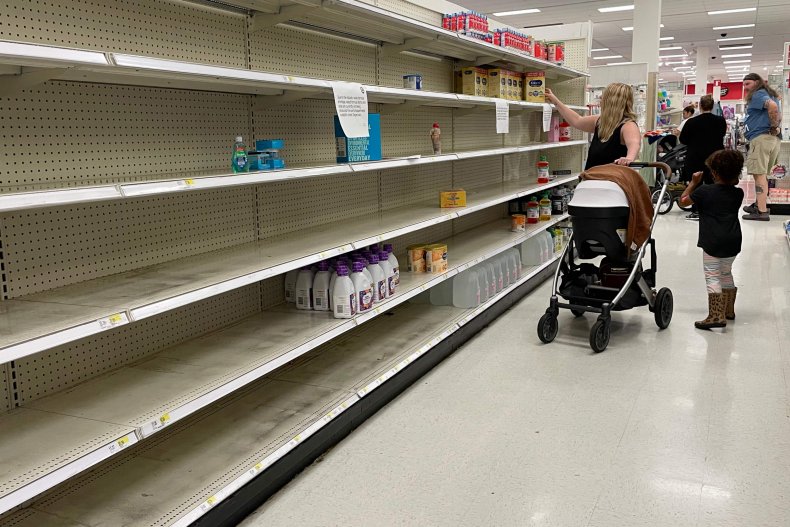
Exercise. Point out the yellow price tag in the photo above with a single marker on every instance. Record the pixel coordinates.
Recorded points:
(164, 418)
(189, 182)
(258, 466)
(122, 442)
(114, 319)
(212, 500)
(298, 438)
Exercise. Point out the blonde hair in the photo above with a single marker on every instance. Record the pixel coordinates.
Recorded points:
(617, 107)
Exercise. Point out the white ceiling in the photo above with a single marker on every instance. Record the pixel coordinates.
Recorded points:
(686, 20)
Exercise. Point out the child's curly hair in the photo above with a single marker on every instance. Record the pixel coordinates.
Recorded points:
(727, 165)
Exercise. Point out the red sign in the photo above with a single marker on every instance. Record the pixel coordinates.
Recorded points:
(730, 91)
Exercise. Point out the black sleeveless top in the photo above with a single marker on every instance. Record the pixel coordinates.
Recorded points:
(603, 153)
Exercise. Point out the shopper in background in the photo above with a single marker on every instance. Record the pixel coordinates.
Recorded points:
(616, 136)
(688, 113)
(762, 130)
(702, 135)
(719, 232)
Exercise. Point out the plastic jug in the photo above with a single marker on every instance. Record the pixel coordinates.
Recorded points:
(344, 304)
(531, 252)
(290, 286)
(363, 289)
(321, 296)
(442, 294)
(379, 281)
(394, 263)
(483, 281)
(515, 264)
(304, 289)
(466, 289)
(389, 273)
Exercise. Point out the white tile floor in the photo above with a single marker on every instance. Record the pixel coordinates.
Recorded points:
(674, 428)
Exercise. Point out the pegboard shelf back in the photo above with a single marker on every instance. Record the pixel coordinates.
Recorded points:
(157, 392)
(40, 321)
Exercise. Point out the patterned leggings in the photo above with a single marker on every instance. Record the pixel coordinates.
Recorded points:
(718, 272)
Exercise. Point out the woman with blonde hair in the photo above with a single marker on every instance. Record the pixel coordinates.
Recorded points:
(616, 136)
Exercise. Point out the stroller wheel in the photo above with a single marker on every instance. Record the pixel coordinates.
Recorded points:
(548, 327)
(663, 308)
(681, 207)
(666, 203)
(577, 313)
(599, 335)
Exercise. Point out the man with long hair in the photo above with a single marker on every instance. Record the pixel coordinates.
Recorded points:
(762, 130)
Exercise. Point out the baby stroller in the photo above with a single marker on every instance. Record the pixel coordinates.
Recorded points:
(675, 157)
(599, 212)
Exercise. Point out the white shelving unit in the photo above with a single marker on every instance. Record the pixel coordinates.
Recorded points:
(142, 303)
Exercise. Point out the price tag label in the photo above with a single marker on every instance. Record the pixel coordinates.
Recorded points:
(112, 321)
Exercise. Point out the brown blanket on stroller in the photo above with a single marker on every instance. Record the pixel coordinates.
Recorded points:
(639, 200)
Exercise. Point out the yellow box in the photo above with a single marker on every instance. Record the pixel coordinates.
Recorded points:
(535, 86)
(474, 81)
(497, 83)
(415, 258)
(512, 86)
(449, 199)
(436, 258)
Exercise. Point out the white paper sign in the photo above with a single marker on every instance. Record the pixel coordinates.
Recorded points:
(502, 117)
(546, 117)
(351, 103)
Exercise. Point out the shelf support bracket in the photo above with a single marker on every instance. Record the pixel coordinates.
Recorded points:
(264, 102)
(27, 79)
(261, 21)
(390, 50)
(388, 109)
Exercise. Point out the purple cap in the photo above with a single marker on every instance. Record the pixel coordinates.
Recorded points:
(373, 259)
(307, 268)
(362, 259)
(388, 247)
(323, 266)
(374, 248)
(342, 270)
(383, 255)
(358, 266)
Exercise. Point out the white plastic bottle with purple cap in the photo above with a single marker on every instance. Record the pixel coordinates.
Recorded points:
(394, 263)
(321, 291)
(362, 287)
(290, 285)
(365, 270)
(389, 273)
(304, 289)
(344, 298)
(379, 281)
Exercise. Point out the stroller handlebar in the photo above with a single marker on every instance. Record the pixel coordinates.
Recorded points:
(644, 164)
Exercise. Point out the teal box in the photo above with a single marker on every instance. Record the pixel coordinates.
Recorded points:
(356, 149)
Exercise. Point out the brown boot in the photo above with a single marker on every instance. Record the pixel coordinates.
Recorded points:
(715, 313)
(729, 302)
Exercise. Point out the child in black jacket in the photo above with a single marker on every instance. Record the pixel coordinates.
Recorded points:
(719, 232)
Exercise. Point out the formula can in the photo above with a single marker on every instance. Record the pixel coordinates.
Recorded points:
(518, 223)
(412, 81)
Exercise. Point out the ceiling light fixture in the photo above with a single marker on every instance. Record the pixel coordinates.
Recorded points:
(666, 38)
(677, 62)
(737, 61)
(670, 48)
(616, 8)
(728, 11)
(662, 57)
(736, 46)
(729, 39)
(733, 27)
(631, 28)
(599, 49)
(736, 55)
(608, 57)
(517, 12)
(617, 63)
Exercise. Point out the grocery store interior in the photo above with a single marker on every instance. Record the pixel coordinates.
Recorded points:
(339, 262)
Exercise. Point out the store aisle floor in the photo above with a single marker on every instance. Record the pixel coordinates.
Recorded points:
(674, 428)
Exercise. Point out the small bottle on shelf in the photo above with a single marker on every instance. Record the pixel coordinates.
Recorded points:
(344, 302)
(545, 208)
(238, 161)
(436, 139)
